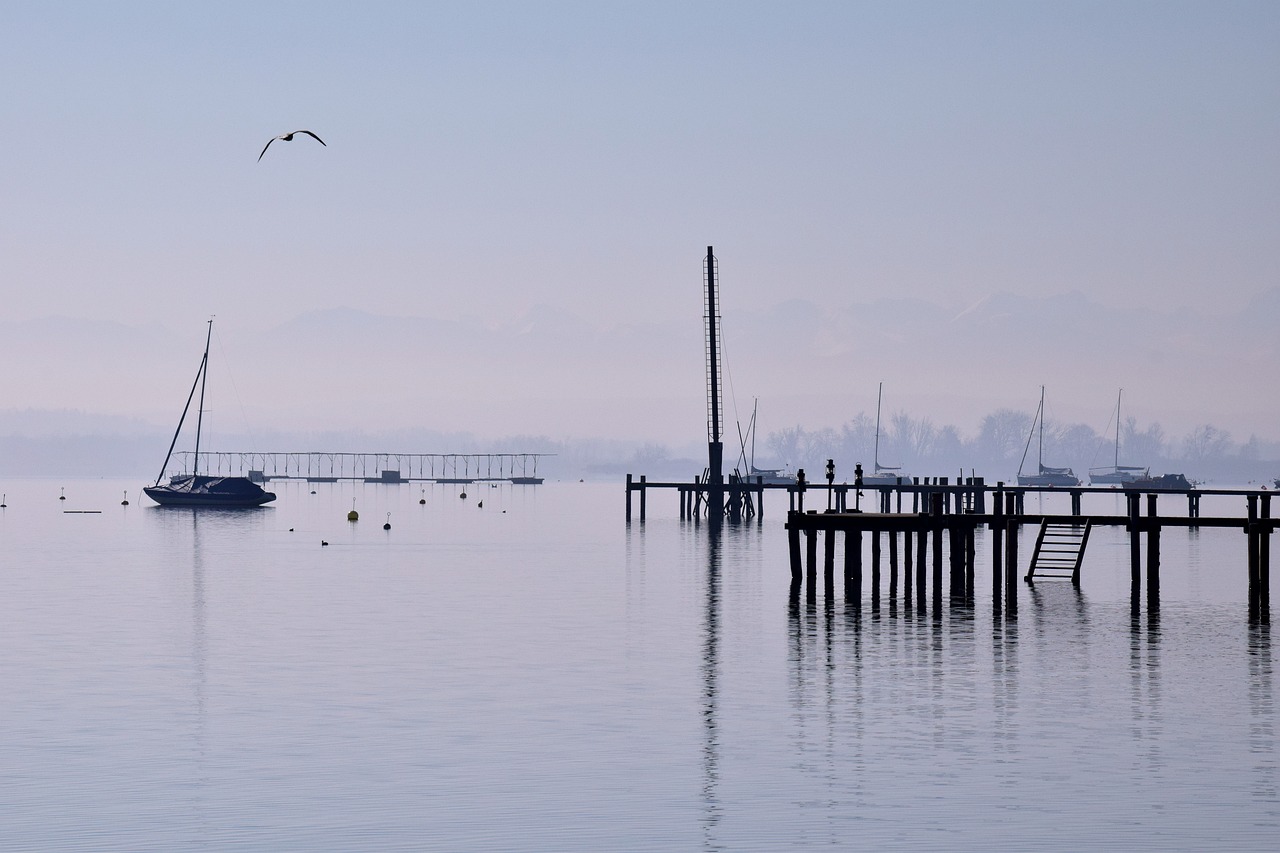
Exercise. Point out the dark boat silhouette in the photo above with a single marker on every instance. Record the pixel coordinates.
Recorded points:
(197, 489)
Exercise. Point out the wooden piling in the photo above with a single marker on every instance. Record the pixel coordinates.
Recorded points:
(1264, 552)
(829, 555)
(893, 565)
(875, 569)
(793, 546)
(628, 497)
(1135, 543)
(1011, 531)
(1153, 552)
(811, 557)
(853, 565)
(922, 542)
(937, 501)
(997, 550)
(1251, 545)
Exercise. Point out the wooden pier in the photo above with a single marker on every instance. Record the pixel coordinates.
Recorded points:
(926, 531)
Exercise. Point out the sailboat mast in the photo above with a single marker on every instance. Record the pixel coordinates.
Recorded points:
(204, 373)
(1040, 465)
(879, 394)
(1117, 465)
(190, 396)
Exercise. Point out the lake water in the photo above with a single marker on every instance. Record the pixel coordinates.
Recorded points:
(533, 674)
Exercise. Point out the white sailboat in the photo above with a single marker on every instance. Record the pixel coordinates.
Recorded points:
(883, 475)
(1117, 474)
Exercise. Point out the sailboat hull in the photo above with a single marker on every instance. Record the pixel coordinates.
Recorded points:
(1048, 480)
(198, 490)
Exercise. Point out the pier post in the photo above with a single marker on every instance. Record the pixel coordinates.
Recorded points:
(970, 557)
(997, 550)
(957, 563)
(1264, 554)
(1011, 530)
(1075, 502)
(628, 498)
(938, 500)
(906, 568)
(922, 543)
(829, 555)
(893, 565)
(1135, 544)
(875, 570)
(1153, 553)
(793, 546)
(1251, 540)
(811, 558)
(643, 493)
(980, 495)
(852, 565)
(915, 494)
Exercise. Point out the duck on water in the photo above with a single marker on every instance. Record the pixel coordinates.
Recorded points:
(197, 489)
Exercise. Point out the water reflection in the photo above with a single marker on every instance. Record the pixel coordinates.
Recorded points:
(1262, 731)
(711, 808)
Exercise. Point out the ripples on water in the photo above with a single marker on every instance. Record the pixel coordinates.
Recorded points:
(535, 675)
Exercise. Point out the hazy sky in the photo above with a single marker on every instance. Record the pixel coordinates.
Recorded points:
(487, 158)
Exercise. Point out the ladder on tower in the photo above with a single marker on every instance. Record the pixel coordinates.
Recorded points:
(1059, 550)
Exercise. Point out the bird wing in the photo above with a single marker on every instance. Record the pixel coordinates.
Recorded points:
(268, 145)
(313, 136)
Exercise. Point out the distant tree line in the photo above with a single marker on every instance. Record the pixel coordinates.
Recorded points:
(924, 448)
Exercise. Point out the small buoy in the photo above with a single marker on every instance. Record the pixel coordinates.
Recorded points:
(480, 505)
(322, 542)
(290, 529)
(2, 501)
(463, 496)
(125, 502)
(423, 499)
(387, 526)
(313, 491)
(353, 515)
(63, 496)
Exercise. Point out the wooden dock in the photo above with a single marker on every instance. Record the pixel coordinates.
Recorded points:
(922, 536)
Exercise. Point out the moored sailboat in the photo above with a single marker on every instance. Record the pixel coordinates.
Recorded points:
(1045, 476)
(883, 475)
(1117, 474)
(197, 489)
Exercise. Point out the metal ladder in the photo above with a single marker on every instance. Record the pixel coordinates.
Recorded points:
(1059, 550)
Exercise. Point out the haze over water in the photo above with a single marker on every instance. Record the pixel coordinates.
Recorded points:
(535, 674)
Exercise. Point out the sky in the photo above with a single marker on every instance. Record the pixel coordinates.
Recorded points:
(486, 163)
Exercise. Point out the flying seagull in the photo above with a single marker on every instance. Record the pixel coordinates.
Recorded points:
(288, 137)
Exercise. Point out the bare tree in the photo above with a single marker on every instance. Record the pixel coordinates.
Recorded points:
(1206, 443)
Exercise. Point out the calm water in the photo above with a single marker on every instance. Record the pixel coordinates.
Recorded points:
(535, 675)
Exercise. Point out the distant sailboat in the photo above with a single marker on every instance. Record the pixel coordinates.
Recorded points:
(883, 475)
(1045, 476)
(1117, 474)
(770, 476)
(197, 489)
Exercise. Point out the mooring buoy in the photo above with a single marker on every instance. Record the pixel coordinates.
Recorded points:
(125, 502)
(387, 526)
